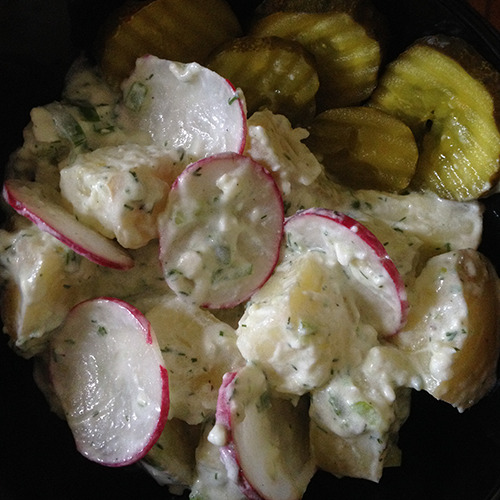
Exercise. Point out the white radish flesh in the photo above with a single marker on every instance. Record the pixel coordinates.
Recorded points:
(28, 200)
(185, 106)
(221, 231)
(108, 373)
(375, 280)
(264, 439)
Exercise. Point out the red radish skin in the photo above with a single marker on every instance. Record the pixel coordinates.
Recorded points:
(228, 453)
(284, 482)
(375, 245)
(244, 128)
(201, 200)
(229, 456)
(98, 386)
(186, 106)
(26, 200)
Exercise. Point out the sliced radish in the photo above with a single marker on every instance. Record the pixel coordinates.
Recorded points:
(221, 231)
(185, 106)
(264, 440)
(108, 373)
(375, 281)
(28, 199)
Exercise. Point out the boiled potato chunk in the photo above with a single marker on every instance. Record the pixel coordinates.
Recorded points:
(44, 279)
(354, 429)
(450, 98)
(212, 481)
(120, 191)
(274, 74)
(453, 329)
(364, 148)
(178, 30)
(198, 349)
(171, 461)
(287, 327)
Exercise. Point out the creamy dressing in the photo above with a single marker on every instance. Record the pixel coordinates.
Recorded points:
(198, 351)
(306, 328)
(218, 435)
(296, 325)
(212, 481)
(121, 190)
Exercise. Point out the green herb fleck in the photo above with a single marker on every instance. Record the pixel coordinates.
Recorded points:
(88, 113)
(336, 405)
(101, 330)
(135, 96)
(264, 402)
(366, 411)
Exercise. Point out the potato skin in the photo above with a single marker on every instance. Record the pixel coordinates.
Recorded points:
(452, 336)
(474, 365)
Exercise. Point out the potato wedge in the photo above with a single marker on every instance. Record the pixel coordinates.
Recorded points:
(46, 280)
(453, 331)
(171, 461)
(356, 438)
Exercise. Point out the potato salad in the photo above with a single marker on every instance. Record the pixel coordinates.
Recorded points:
(207, 293)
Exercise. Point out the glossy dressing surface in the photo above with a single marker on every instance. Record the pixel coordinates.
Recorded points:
(446, 455)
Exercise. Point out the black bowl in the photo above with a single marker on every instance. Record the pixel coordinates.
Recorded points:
(446, 455)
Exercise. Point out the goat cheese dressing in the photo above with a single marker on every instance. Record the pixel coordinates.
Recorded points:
(116, 179)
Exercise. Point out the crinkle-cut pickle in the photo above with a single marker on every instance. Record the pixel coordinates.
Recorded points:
(450, 98)
(363, 11)
(364, 148)
(271, 6)
(347, 57)
(276, 74)
(178, 30)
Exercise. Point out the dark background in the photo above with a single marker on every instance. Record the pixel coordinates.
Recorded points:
(446, 455)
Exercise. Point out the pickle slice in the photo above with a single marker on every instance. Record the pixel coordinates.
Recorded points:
(178, 30)
(273, 73)
(363, 11)
(347, 56)
(364, 148)
(449, 96)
